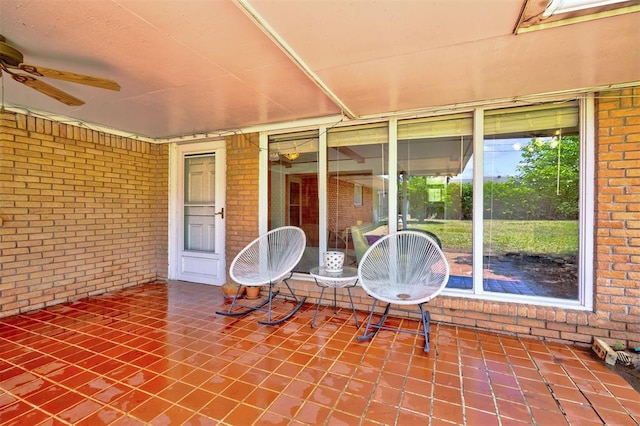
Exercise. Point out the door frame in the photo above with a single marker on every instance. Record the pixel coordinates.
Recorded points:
(176, 197)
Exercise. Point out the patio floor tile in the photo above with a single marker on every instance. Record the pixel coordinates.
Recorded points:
(157, 354)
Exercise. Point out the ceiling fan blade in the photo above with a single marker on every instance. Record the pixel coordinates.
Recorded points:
(48, 90)
(88, 80)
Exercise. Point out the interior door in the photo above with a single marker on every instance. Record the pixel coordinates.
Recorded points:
(294, 200)
(201, 256)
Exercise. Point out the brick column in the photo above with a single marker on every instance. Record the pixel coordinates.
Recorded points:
(241, 216)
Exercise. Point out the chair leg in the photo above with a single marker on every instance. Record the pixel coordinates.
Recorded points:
(245, 309)
(233, 312)
(371, 329)
(270, 301)
(300, 301)
(426, 324)
(369, 334)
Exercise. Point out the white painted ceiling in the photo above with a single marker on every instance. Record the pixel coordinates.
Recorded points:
(196, 66)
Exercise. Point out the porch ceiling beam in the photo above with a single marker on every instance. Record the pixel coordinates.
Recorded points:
(291, 54)
(351, 154)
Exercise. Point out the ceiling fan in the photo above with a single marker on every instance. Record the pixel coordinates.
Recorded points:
(11, 61)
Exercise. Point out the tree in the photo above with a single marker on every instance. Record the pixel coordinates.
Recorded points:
(417, 194)
(458, 201)
(551, 170)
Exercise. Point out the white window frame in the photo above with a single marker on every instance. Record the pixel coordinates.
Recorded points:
(586, 203)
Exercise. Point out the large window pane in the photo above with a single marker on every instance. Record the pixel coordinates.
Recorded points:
(531, 190)
(293, 189)
(357, 188)
(435, 187)
(199, 203)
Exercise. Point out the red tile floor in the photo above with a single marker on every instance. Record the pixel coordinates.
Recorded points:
(158, 354)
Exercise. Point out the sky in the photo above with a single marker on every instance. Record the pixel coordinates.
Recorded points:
(501, 157)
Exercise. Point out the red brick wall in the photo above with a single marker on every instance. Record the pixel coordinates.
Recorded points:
(82, 212)
(617, 257)
(241, 215)
(347, 213)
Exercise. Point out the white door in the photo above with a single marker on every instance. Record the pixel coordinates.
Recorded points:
(200, 217)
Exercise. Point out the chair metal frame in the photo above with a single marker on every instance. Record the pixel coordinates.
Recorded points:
(268, 260)
(403, 268)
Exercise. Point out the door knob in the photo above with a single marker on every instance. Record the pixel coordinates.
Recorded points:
(221, 213)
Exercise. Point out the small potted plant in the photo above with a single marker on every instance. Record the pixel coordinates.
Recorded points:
(230, 289)
(253, 292)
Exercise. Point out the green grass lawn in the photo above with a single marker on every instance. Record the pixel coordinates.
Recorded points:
(520, 236)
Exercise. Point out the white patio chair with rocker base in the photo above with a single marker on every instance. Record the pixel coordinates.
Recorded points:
(404, 268)
(268, 260)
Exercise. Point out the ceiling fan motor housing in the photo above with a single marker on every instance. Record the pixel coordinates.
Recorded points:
(9, 55)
